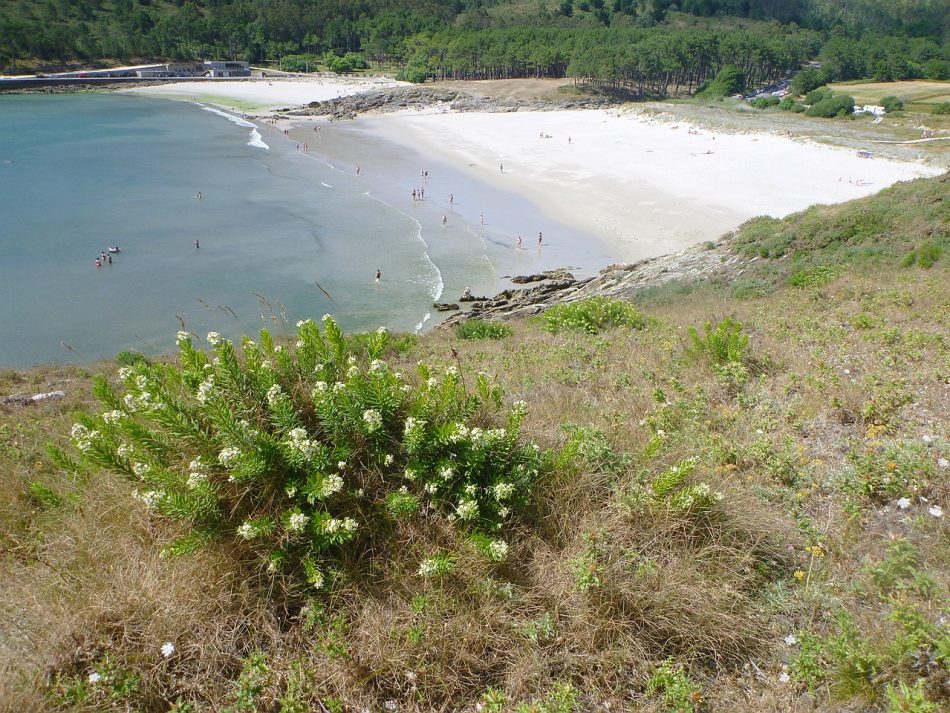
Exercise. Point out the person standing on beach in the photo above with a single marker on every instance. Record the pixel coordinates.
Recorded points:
(197, 246)
(501, 167)
(539, 238)
(357, 169)
(519, 242)
(481, 219)
(413, 194)
(379, 275)
(422, 192)
(445, 221)
(451, 199)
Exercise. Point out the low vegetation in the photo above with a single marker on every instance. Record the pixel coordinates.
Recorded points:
(706, 501)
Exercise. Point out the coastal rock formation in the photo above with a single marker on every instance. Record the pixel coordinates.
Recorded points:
(445, 306)
(623, 281)
(419, 97)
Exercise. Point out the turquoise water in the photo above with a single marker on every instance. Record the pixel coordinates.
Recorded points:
(80, 173)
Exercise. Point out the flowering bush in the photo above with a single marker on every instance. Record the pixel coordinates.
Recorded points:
(592, 315)
(294, 452)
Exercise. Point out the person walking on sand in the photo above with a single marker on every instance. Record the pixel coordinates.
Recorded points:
(519, 242)
(379, 275)
(540, 239)
(357, 169)
(413, 194)
(451, 199)
(445, 221)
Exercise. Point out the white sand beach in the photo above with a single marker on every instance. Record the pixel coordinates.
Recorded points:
(644, 186)
(265, 95)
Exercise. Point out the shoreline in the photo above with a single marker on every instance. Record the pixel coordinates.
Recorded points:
(644, 186)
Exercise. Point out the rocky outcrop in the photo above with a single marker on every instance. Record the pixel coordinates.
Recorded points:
(623, 281)
(419, 97)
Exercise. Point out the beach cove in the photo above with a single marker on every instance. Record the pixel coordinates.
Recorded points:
(289, 231)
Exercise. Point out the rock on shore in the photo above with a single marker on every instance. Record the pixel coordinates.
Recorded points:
(623, 281)
(419, 97)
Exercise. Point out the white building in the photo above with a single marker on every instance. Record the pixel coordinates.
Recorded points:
(227, 68)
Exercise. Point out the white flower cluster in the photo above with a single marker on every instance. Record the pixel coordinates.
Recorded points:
(372, 419)
(446, 473)
(197, 473)
(228, 455)
(302, 322)
(124, 450)
(503, 491)
(182, 337)
(168, 648)
(83, 437)
(319, 389)
(140, 469)
(214, 339)
(452, 372)
(298, 521)
(498, 550)
(273, 394)
(205, 388)
(113, 416)
(460, 433)
(377, 365)
(352, 372)
(125, 373)
(332, 483)
(151, 498)
(413, 425)
(467, 510)
(334, 525)
(247, 531)
(388, 460)
(297, 440)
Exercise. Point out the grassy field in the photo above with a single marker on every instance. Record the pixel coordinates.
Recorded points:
(720, 525)
(916, 91)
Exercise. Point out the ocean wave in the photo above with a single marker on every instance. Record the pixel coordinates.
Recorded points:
(256, 139)
(327, 185)
(421, 324)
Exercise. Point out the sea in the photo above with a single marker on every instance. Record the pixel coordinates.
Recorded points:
(227, 224)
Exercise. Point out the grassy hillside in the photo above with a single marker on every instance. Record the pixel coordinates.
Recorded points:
(714, 525)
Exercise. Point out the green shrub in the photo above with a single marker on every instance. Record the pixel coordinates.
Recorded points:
(722, 343)
(807, 81)
(293, 453)
(592, 316)
(812, 276)
(928, 254)
(764, 102)
(729, 81)
(788, 103)
(909, 699)
(482, 329)
(129, 358)
(817, 95)
(941, 109)
(674, 688)
(892, 104)
(831, 106)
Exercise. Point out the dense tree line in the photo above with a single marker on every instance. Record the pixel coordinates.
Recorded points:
(648, 46)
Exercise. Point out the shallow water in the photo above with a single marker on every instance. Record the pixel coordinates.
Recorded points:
(79, 173)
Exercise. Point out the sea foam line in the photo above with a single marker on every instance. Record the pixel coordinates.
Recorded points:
(256, 139)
